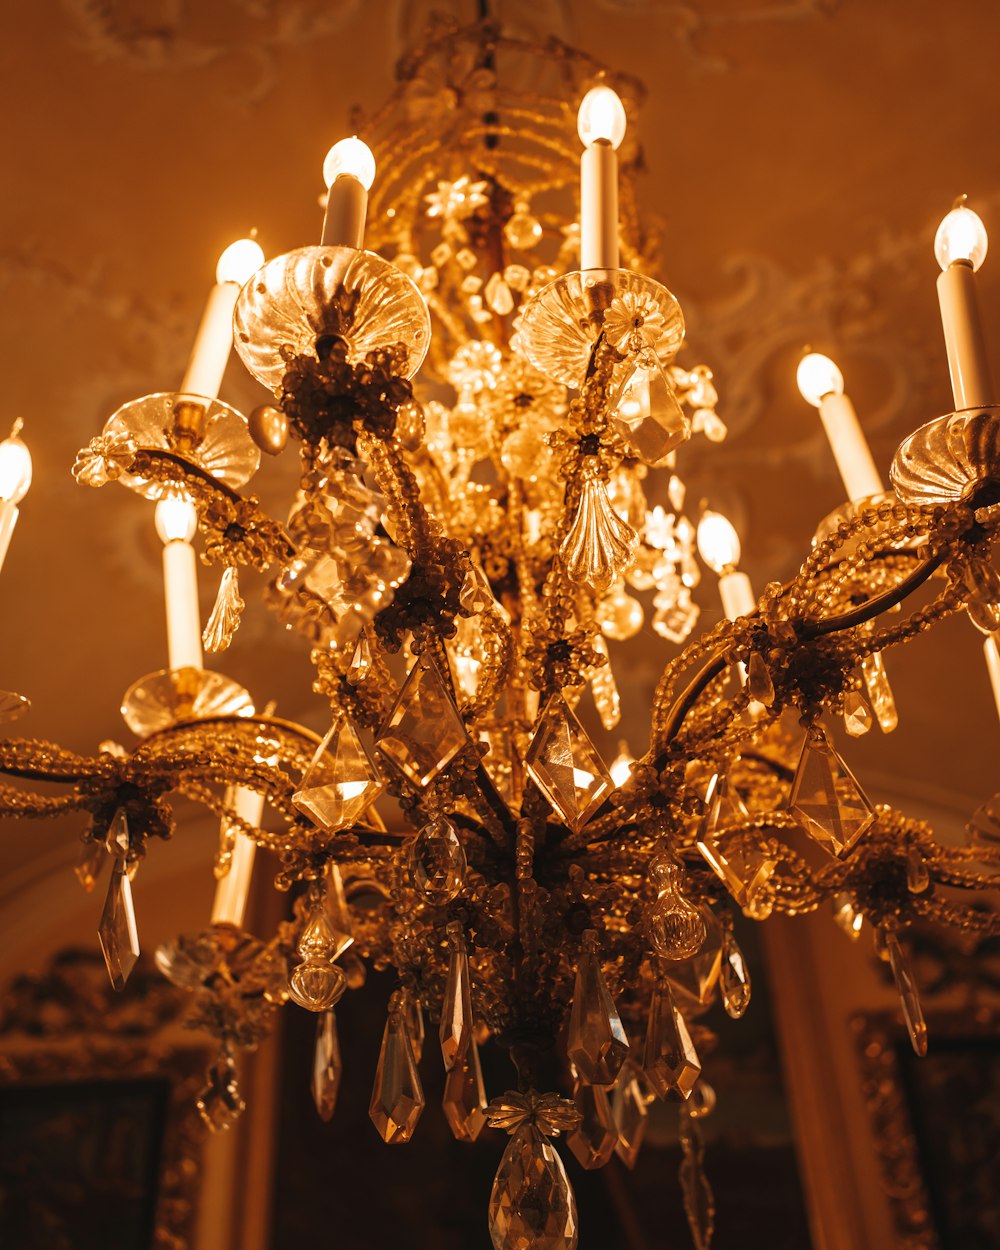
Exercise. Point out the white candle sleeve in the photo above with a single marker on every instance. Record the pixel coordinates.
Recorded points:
(968, 359)
(233, 889)
(8, 519)
(212, 344)
(180, 585)
(346, 209)
(850, 450)
(599, 207)
(737, 595)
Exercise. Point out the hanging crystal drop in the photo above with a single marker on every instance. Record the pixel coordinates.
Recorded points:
(89, 864)
(565, 765)
(424, 731)
(676, 927)
(476, 594)
(985, 616)
(702, 1101)
(699, 1202)
(827, 799)
(880, 692)
(414, 1014)
(857, 714)
(847, 916)
(694, 979)
(117, 930)
(597, 1044)
(759, 683)
(648, 414)
(436, 861)
(464, 1100)
(532, 1206)
(594, 1138)
(630, 1113)
(317, 983)
(498, 296)
(326, 1065)
(669, 1059)
(918, 876)
(456, 1010)
(734, 979)
(361, 661)
(116, 840)
(225, 618)
(219, 1103)
(397, 1097)
(356, 781)
(599, 545)
(605, 688)
(913, 1013)
(736, 857)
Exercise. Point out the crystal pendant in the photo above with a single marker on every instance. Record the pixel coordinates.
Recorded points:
(89, 864)
(694, 979)
(857, 714)
(833, 808)
(599, 545)
(318, 983)
(759, 682)
(593, 1140)
(918, 877)
(424, 731)
(734, 979)
(117, 930)
(397, 1097)
(605, 689)
(326, 1065)
(676, 614)
(676, 927)
(629, 1109)
(361, 661)
(225, 618)
(356, 782)
(742, 865)
(913, 1013)
(414, 1014)
(464, 1099)
(648, 414)
(699, 1202)
(532, 1206)
(597, 1044)
(669, 1060)
(880, 692)
(847, 916)
(456, 1010)
(565, 765)
(219, 1103)
(436, 861)
(476, 594)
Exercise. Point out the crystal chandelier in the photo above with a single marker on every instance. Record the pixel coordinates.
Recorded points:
(458, 556)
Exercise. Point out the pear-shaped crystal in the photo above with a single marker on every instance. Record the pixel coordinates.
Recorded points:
(532, 1206)
(913, 1013)
(857, 714)
(597, 1044)
(456, 1009)
(414, 1014)
(116, 840)
(225, 618)
(648, 413)
(694, 979)
(424, 731)
(833, 808)
(354, 780)
(669, 1060)
(880, 692)
(734, 979)
(759, 682)
(630, 1113)
(117, 930)
(361, 661)
(326, 1065)
(599, 545)
(476, 594)
(918, 877)
(317, 984)
(736, 858)
(594, 1138)
(436, 860)
(565, 765)
(464, 1099)
(676, 927)
(397, 1097)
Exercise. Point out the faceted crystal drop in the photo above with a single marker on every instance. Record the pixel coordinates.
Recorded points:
(456, 1010)
(676, 927)
(759, 682)
(880, 692)
(436, 861)
(918, 876)
(424, 731)
(89, 864)
(833, 808)
(734, 979)
(597, 1044)
(219, 1103)
(326, 1065)
(117, 840)
(361, 661)
(694, 979)
(593, 1140)
(742, 866)
(225, 618)
(909, 999)
(628, 1107)
(414, 1014)
(669, 1060)
(846, 914)
(476, 594)
(857, 714)
(565, 765)
(605, 689)
(599, 545)
(648, 414)
(699, 1203)
(532, 1206)
(619, 615)
(117, 931)
(464, 1099)
(356, 782)
(498, 295)
(397, 1097)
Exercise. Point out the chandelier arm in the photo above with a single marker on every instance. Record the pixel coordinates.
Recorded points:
(23, 803)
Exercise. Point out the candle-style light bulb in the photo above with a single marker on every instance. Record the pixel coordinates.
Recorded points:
(214, 340)
(601, 118)
(351, 158)
(960, 248)
(15, 468)
(176, 519)
(601, 124)
(961, 239)
(817, 376)
(718, 543)
(239, 262)
(348, 171)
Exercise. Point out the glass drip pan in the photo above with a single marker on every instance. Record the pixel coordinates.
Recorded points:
(160, 699)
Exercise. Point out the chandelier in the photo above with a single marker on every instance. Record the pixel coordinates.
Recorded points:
(461, 550)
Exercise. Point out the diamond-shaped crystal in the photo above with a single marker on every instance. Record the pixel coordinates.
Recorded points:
(117, 931)
(436, 860)
(455, 1030)
(326, 1065)
(593, 1140)
(857, 714)
(734, 979)
(694, 979)
(397, 1097)
(738, 861)
(361, 661)
(669, 1060)
(565, 765)
(532, 1206)
(476, 594)
(424, 731)
(833, 808)
(597, 1044)
(909, 999)
(355, 781)
(648, 413)
(629, 1109)
(464, 1099)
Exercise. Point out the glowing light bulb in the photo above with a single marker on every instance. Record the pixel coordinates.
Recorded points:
(817, 376)
(351, 157)
(601, 118)
(15, 468)
(239, 262)
(621, 769)
(718, 542)
(961, 239)
(176, 519)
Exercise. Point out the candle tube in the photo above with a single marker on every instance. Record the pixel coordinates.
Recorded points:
(991, 651)
(348, 170)
(176, 522)
(601, 125)
(960, 248)
(15, 478)
(737, 595)
(821, 384)
(214, 339)
(233, 889)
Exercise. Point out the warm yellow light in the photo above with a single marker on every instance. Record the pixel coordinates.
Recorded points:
(818, 376)
(961, 239)
(718, 542)
(15, 468)
(621, 769)
(239, 262)
(176, 519)
(601, 118)
(350, 157)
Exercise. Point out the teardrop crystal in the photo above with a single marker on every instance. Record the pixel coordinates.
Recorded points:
(670, 1060)
(456, 1010)
(326, 1065)
(734, 979)
(857, 714)
(909, 999)
(117, 930)
(847, 915)
(436, 861)
(676, 927)
(880, 692)
(629, 1109)
(464, 1099)
(532, 1206)
(361, 661)
(918, 877)
(593, 1140)
(699, 1202)
(759, 682)
(599, 545)
(597, 1044)
(225, 618)
(397, 1097)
